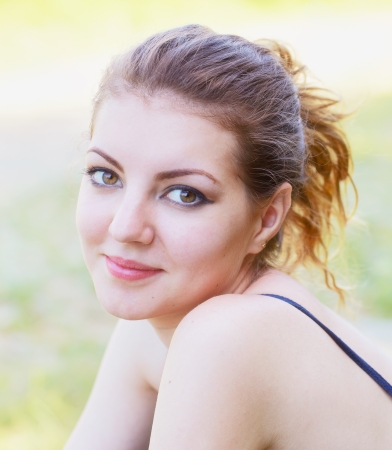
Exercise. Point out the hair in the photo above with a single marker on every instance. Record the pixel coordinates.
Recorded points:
(287, 129)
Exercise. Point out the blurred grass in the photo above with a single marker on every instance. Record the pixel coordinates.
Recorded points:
(369, 236)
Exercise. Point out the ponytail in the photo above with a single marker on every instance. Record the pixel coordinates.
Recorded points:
(318, 208)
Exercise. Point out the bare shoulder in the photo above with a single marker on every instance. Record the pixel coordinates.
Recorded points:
(211, 387)
(221, 330)
(241, 322)
(272, 339)
(226, 374)
(254, 307)
(252, 322)
(222, 364)
(252, 369)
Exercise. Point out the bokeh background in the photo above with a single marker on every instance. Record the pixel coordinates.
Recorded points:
(52, 54)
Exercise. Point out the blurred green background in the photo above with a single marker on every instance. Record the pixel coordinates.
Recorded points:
(52, 330)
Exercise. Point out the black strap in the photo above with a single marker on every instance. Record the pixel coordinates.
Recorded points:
(382, 382)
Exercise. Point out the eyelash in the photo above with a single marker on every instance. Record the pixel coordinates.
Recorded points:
(181, 187)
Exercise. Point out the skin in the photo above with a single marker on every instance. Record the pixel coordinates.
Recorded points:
(233, 369)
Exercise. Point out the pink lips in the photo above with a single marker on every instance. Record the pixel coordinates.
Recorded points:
(129, 270)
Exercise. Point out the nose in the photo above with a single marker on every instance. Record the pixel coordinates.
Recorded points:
(131, 222)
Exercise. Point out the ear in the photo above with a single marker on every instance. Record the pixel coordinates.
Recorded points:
(271, 217)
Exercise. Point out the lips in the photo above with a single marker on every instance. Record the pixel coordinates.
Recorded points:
(129, 270)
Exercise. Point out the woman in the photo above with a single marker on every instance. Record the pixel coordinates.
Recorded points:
(214, 170)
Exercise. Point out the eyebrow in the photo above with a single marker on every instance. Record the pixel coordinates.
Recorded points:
(182, 172)
(108, 158)
(159, 176)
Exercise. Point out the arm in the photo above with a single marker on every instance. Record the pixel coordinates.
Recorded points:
(120, 409)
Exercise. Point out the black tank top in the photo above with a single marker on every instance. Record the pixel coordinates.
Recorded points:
(382, 382)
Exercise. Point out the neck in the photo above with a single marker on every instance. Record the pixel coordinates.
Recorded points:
(165, 326)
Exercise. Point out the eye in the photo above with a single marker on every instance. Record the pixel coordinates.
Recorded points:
(182, 196)
(103, 177)
(185, 195)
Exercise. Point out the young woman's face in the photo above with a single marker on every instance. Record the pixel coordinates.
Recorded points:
(163, 217)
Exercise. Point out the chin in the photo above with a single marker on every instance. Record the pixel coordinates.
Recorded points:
(126, 309)
(124, 301)
(130, 306)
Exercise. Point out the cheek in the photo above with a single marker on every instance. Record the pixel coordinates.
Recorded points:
(205, 243)
(92, 218)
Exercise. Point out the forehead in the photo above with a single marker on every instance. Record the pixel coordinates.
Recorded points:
(161, 132)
